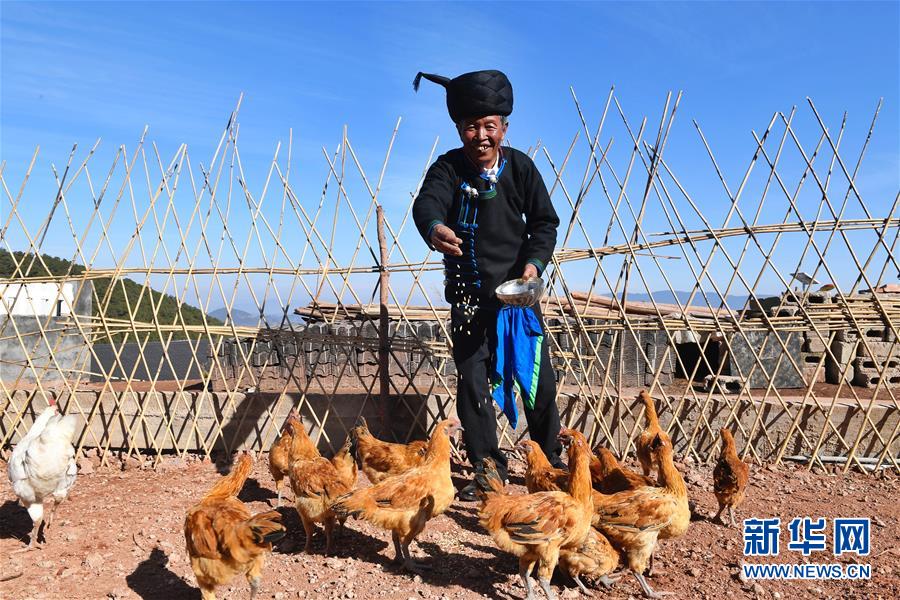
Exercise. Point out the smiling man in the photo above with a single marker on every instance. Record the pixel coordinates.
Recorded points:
(485, 207)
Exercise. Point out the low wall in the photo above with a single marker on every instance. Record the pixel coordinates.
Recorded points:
(205, 422)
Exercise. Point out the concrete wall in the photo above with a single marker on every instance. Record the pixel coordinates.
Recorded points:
(60, 333)
(200, 421)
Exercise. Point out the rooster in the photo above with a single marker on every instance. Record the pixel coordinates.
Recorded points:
(729, 478)
(223, 540)
(42, 466)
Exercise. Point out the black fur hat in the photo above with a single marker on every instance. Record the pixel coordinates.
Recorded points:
(474, 95)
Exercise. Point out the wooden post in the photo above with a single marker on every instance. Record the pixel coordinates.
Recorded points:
(383, 282)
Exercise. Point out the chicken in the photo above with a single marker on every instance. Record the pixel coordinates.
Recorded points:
(380, 460)
(634, 520)
(540, 475)
(611, 477)
(404, 503)
(673, 482)
(730, 478)
(302, 447)
(595, 559)
(280, 458)
(222, 538)
(317, 483)
(536, 527)
(642, 445)
(42, 466)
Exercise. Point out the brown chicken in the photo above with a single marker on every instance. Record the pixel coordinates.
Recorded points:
(280, 453)
(536, 527)
(540, 475)
(634, 520)
(642, 445)
(317, 483)
(223, 540)
(380, 460)
(595, 559)
(612, 477)
(730, 478)
(673, 482)
(404, 503)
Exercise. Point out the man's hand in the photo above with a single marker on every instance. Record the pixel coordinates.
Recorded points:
(530, 272)
(445, 241)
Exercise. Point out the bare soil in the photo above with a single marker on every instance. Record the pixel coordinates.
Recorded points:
(119, 535)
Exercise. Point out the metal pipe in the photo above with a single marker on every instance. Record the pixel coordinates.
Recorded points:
(865, 460)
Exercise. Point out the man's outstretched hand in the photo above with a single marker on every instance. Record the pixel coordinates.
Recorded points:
(445, 241)
(530, 272)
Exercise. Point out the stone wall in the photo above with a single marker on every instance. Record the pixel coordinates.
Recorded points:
(349, 350)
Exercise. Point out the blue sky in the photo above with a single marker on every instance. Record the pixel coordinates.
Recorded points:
(73, 72)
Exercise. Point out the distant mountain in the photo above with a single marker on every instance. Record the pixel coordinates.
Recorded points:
(243, 318)
(734, 301)
(128, 300)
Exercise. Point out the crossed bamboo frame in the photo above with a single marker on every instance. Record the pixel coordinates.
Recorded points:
(227, 239)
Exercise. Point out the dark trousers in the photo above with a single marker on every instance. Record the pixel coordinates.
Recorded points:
(474, 333)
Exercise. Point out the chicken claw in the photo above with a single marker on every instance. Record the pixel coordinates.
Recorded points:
(545, 585)
(648, 591)
(609, 580)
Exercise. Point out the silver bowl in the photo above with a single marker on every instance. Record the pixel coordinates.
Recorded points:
(518, 292)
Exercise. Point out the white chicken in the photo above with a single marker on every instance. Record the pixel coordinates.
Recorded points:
(42, 466)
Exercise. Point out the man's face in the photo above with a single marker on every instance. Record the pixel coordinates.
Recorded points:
(481, 139)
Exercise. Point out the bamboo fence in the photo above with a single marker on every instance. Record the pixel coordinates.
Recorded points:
(347, 253)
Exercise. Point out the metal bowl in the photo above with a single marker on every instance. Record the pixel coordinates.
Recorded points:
(519, 292)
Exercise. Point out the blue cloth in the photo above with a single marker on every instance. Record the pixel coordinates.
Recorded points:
(517, 359)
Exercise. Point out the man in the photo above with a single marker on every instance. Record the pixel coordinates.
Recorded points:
(486, 208)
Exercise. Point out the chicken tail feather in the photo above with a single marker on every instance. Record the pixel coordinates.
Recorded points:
(343, 508)
(231, 484)
(488, 480)
(650, 409)
(266, 527)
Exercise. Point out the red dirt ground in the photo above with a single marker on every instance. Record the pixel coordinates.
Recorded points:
(119, 535)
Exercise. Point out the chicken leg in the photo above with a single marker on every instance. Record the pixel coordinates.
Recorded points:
(254, 576)
(609, 580)
(545, 585)
(409, 563)
(309, 528)
(398, 551)
(524, 569)
(545, 571)
(731, 515)
(718, 518)
(648, 591)
(36, 512)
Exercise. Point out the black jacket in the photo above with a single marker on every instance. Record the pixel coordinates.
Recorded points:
(500, 234)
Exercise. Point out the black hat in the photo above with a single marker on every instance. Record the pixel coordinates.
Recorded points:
(474, 95)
